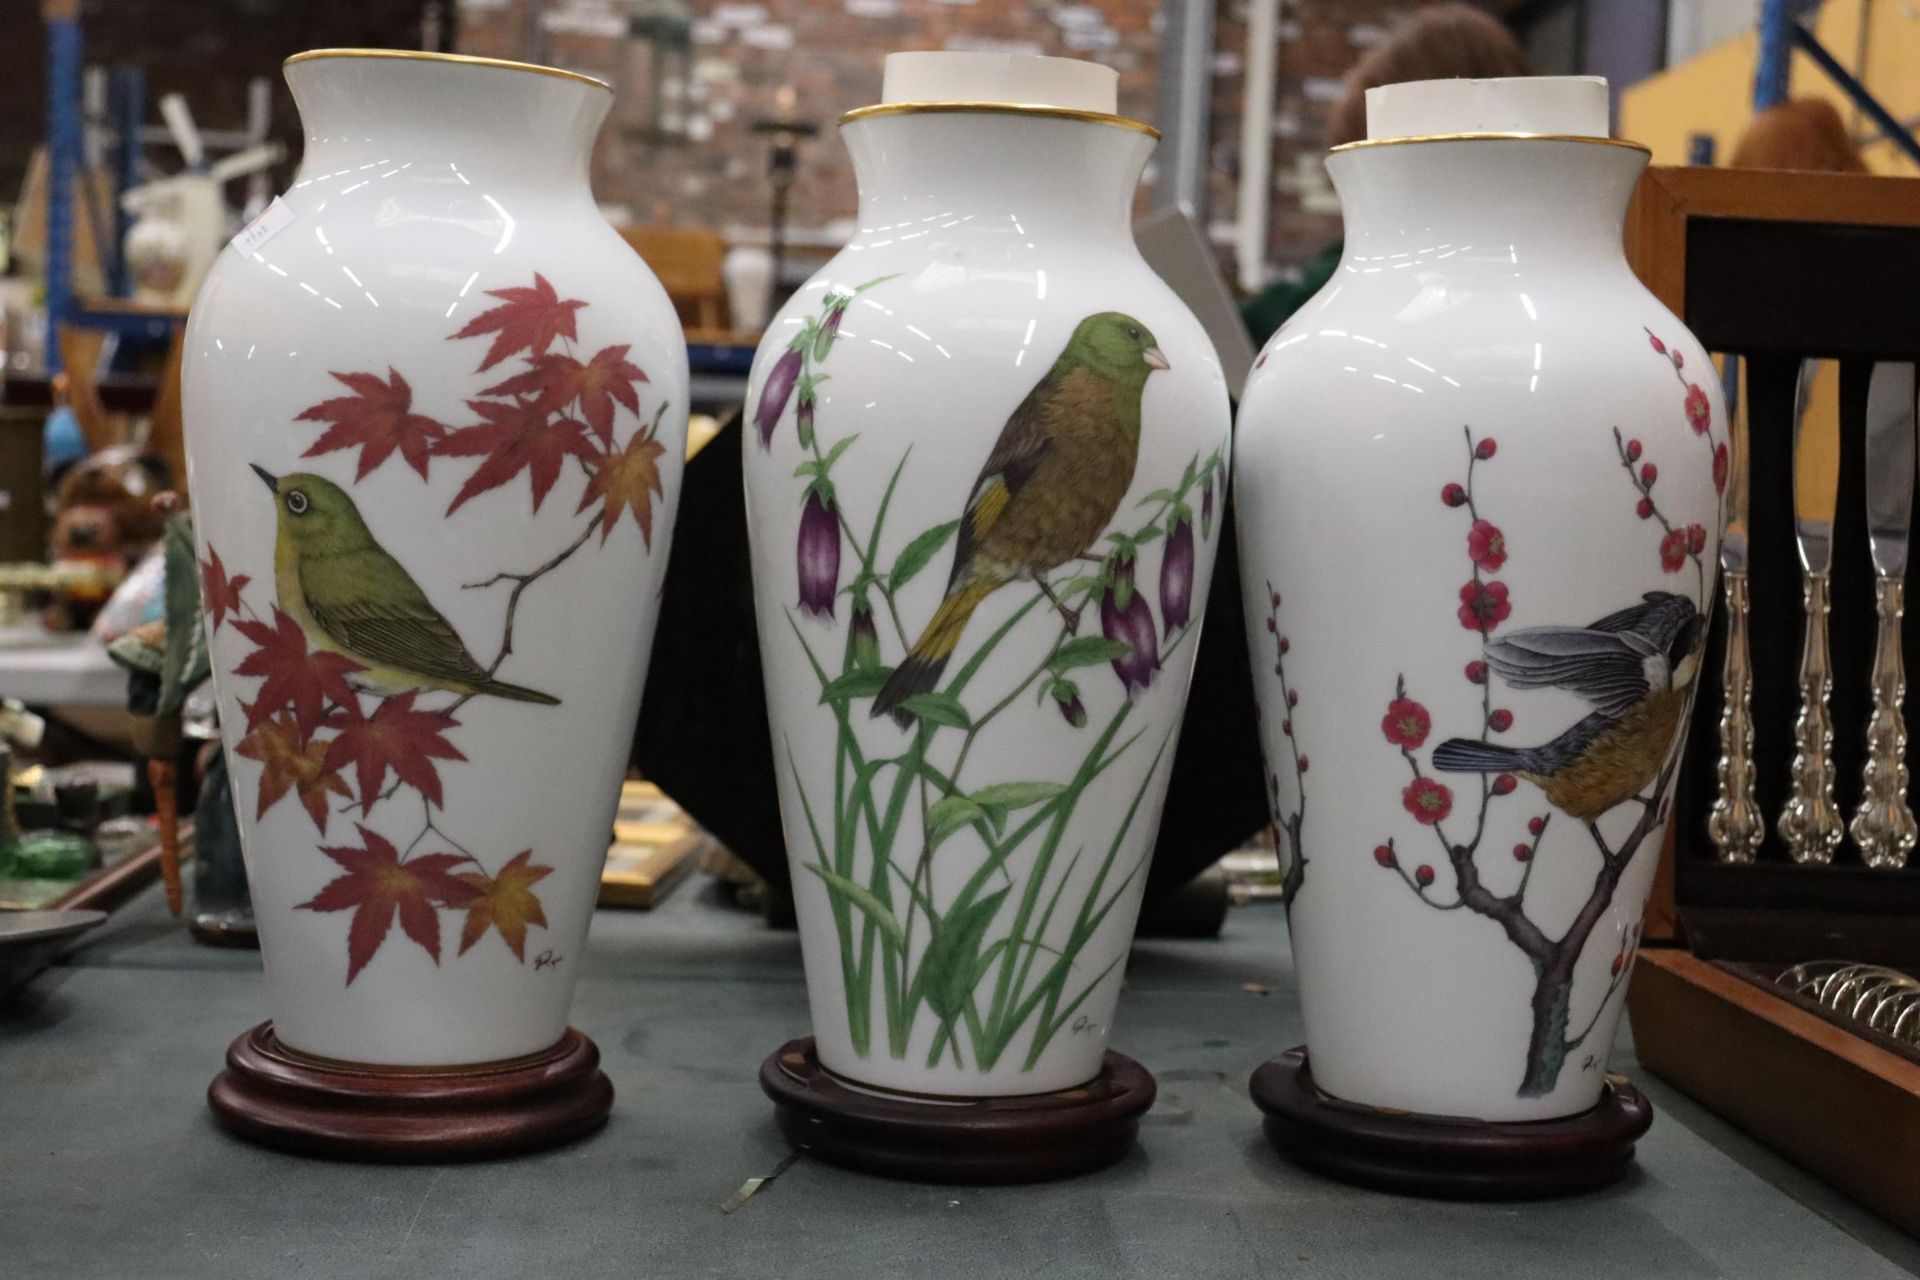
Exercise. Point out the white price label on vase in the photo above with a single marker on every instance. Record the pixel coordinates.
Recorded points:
(271, 222)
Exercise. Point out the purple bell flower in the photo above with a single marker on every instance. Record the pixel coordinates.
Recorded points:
(829, 326)
(863, 637)
(1206, 507)
(1176, 576)
(1066, 696)
(775, 394)
(817, 555)
(1132, 625)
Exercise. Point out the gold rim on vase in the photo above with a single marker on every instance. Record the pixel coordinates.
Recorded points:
(1003, 108)
(1366, 143)
(464, 59)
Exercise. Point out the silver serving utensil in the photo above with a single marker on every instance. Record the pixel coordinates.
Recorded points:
(1735, 825)
(1810, 824)
(1883, 826)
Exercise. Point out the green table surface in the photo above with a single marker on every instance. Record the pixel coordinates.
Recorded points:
(113, 1166)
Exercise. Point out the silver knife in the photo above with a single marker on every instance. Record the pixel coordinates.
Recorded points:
(1735, 825)
(1883, 826)
(1810, 824)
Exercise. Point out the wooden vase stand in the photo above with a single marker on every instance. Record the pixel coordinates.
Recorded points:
(1445, 1156)
(1034, 1138)
(282, 1098)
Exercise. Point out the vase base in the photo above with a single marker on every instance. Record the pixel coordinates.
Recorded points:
(1034, 1138)
(1447, 1156)
(282, 1098)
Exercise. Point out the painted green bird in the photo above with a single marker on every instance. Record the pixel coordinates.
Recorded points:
(354, 599)
(1055, 477)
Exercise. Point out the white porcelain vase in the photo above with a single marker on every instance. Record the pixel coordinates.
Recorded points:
(435, 414)
(1479, 479)
(988, 447)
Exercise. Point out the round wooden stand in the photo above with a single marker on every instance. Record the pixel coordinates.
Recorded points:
(273, 1095)
(1446, 1156)
(956, 1140)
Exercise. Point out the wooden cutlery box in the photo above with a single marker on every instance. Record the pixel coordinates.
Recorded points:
(1774, 267)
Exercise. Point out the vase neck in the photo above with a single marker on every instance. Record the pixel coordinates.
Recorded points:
(483, 123)
(1029, 176)
(1523, 202)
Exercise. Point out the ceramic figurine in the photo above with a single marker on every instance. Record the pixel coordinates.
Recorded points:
(1479, 478)
(988, 447)
(436, 414)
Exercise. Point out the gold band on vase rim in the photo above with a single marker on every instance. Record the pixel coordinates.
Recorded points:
(463, 59)
(1002, 108)
(1368, 143)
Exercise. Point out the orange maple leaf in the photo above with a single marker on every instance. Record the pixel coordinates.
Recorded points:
(505, 902)
(292, 761)
(626, 479)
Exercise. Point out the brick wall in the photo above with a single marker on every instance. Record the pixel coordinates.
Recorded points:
(828, 52)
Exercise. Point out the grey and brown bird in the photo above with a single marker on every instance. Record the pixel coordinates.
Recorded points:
(1634, 667)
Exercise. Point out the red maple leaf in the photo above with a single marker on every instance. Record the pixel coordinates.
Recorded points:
(377, 885)
(625, 479)
(379, 418)
(292, 760)
(553, 380)
(396, 737)
(220, 594)
(293, 676)
(527, 319)
(514, 438)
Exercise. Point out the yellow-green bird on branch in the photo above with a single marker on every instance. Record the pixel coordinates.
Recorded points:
(354, 599)
(1053, 482)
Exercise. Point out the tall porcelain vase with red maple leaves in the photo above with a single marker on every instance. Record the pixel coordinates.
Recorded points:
(436, 413)
(1478, 479)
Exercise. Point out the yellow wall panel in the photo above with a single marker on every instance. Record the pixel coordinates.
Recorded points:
(1712, 93)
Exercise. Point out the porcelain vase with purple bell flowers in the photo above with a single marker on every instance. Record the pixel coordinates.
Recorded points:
(981, 485)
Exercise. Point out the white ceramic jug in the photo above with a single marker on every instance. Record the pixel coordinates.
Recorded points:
(988, 447)
(435, 415)
(1478, 498)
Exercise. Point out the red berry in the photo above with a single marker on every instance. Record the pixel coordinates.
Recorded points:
(1645, 509)
(1620, 961)
(1302, 766)
(1696, 538)
(1477, 671)
(1504, 784)
(1648, 474)
(1485, 449)
(1286, 727)
(1286, 645)
(1523, 853)
(1278, 670)
(1536, 825)
(1500, 720)
(1679, 361)
(1272, 625)
(1633, 451)
(1658, 345)
(1423, 874)
(1276, 599)
(1454, 496)
(1383, 854)
(1293, 697)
